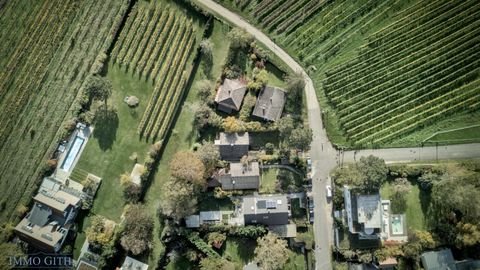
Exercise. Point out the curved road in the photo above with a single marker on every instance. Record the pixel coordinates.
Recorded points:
(324, 156)
(322, 152)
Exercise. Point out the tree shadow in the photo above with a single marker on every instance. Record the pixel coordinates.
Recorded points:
(207, 64)
(106, 125)
(245, 250)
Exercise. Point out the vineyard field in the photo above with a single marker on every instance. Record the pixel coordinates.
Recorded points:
(412, 73)
(156, 44)
(44, 62)
(382, 69)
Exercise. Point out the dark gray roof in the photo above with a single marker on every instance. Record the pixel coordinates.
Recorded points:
(438, 260)
(39, 215)
(270, 103)
(230, 94)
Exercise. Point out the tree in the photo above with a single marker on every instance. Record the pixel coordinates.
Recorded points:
(285, 126)
(425, 239)
(131, 192)
(259, 80)
(205, 91)
(295, 86)
(216, 239)
(452, 197)
(419, 241)
(269, 148)
(427, 180)
(349, 175)
(301, 138)
(231, 124)
(467, 235)
(179, 200)
(250, 231)
(247, 107)
(204, 116)
(209, 263)
(98, 88)
(271, 252)
(239, 38)
(374, 170)
(8, 250)
(137, 231)
(401, 187)
(206, 48)
(209, 155)
(100, 233)
(186, 166)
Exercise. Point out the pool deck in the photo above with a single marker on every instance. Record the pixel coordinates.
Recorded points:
(84, 133)
(387, 224)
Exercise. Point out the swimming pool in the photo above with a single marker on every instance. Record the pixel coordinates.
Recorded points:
(397, 225)
(72, 153)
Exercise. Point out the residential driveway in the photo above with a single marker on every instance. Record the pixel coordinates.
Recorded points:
(322, 152)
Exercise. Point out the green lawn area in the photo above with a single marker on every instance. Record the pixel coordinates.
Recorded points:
(297, 211)
(239, 250)
(268, 180)
(469, 134)
(180, 263)
(414, 212)
(260, 139)
(295, 261)
(210, 203)
(289, 181)
(453, 122)
(109, 148)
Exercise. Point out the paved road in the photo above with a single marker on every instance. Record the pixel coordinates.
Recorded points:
(322, 152)
(392, 155)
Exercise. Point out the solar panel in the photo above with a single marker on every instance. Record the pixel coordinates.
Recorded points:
(271, 204)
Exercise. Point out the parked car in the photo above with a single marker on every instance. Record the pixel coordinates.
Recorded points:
(309, 164)
(310, 203)
(311, 216)
(329, 191)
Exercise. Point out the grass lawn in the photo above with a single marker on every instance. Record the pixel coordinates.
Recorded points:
(109, 148)
(414, 212)
(239, 250)
(180, 263)
(296, 261)
(297, 211)
(452, 122)
(268, 180)
(260, 139)
(210, 203)
(470, 134)
(289, 181)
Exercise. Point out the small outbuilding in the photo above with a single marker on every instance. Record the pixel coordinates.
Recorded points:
(136, 174)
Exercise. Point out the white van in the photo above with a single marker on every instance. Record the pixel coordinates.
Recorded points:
(329, 191)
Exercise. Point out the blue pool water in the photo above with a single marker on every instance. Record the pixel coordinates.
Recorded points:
(72, 153)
